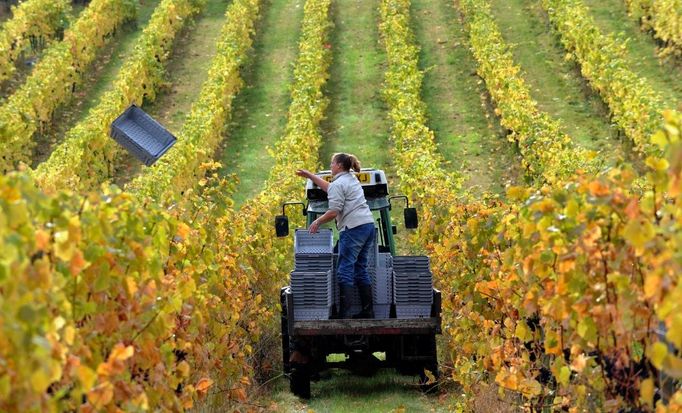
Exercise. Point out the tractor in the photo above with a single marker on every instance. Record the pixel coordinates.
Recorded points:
(402, 334)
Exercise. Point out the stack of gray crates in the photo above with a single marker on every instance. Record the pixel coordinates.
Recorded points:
(412, 286)
(312, 281)
(382, 285)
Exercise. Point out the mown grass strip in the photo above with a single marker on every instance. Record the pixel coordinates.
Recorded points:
(33, 22)
(664, 18)
(554, 83)
(549, 155)
(468, 133)
(635, 106)
(642, 52)
(87, 155)
(54, 78)
(181, 168)
(356, 119)
(260, 110)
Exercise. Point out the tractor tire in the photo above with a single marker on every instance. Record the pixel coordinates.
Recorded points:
(286, 351)
(299, 381)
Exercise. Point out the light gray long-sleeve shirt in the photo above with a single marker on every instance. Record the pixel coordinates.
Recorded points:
(348, 200)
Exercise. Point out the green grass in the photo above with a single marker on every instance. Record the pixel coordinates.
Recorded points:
(554, 83)
(260, 111)
(665, 77)
(96, 82)
(467, 131)
(357, 119)
(339, 391)
(188, 67)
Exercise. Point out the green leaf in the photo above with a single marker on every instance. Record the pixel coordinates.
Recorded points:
(564, 375)
(587, 329)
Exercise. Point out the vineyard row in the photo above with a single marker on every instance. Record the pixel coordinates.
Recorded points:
(53, 80)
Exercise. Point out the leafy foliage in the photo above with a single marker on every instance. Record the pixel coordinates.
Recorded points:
(32, 23)
(201, 133)
(54, 78)
(664, 18)
(559, 292)
(634, 105)
(109, 304)
(548, 153)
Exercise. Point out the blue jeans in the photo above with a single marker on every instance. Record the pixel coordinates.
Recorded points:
(355, 246)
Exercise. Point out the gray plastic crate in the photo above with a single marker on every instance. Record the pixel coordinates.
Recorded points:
(321, 242)
(141, 135)
(312, 313)
(413, 310)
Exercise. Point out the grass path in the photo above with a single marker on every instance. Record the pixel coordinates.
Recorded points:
(467, 131)
(95, 83)
(186, 71)
(666, 78)
(260, 111)
(357, 121)
(555, 83)
(339, 391)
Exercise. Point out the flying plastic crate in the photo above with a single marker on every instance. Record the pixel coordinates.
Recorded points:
(141, 135)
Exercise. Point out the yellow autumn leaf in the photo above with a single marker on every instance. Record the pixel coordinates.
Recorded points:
(69, 335)
(121, 352)
(204, 384)
(131, 286)
(674, 334)
(522, 332)
(658, 353)
(183, 369)
(652, 285)
(87, 376)
(101, 395)
(657, 164)
(40, 381)
(638, 232)
(64, 248)
(646, 392)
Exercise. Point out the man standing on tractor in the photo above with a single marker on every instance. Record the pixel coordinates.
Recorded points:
(355, 222)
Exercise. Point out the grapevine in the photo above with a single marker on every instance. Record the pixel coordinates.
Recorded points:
(86, 156)
(52, 82)
(548, 153)
(634, 106)
(664, 18)
(558, 293)
(202, 132)
(33, 22)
